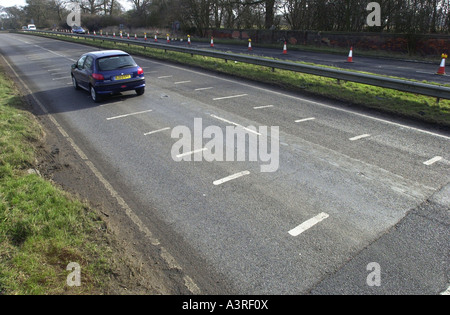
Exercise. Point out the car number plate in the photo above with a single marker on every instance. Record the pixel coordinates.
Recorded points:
(123, 77)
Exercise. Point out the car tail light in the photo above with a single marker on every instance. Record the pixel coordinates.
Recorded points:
(98, 76)
(140, 71)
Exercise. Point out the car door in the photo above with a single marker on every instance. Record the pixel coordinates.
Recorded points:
(85, 72)
(78, 71)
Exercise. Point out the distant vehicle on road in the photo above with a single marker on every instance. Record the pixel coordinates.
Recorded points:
(31, 27)
(107, 72)
(78, 30)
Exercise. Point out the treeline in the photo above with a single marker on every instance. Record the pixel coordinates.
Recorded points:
(399, 16)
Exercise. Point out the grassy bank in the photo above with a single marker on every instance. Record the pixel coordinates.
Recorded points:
(42, 228)
(404, 104)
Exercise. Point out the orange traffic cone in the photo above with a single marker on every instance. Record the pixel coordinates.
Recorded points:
(250, 44)
(441, 70)
(168, 38)
(212, 41)
(350, 55)
(285, 48)
(189, 39)
(156, 38)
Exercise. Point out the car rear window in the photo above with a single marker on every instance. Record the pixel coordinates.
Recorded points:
(116, 63)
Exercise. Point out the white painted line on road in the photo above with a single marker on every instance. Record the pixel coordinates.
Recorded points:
(156, 131)
(262, 107)
(166, 77)
(191, 153)
(308, 224)
(127, 115)
(446, 292)
(424, 72)
(204, 89)
(228, 97)
(62, 78)
(304, 120)
(233, 123)
(59, 73)
(359, 137)
(305, 100)
(231, 177)
(182, 82)
(433, 160)
(55, 69)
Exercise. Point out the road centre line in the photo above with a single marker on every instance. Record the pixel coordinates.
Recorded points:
(306, 119)
(156, 131)
(228, 97)
(191, 153)
(231, 177)
(308, 224)
(182, 82)
(233, 123)
(204, 89)
(359, 137)
(166, 77)
(304, 100)
(127, 115)
(433, 160)
(262, 107)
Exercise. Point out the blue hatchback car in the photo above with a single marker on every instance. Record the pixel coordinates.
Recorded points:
(107, 72)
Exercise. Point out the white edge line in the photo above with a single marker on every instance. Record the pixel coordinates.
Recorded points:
(433, 160)
(231, 177)
(308, 224)
(132, 114)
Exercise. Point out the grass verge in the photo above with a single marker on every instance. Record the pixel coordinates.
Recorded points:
(418, 107)
(42, 228)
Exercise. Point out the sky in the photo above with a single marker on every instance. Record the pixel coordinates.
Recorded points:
(11, 3)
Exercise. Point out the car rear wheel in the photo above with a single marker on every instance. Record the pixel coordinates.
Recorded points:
(94, 95)
(140, 91)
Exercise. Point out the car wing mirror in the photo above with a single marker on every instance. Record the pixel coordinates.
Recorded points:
(74, 66)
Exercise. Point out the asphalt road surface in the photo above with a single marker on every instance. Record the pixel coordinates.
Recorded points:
(358, 203)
